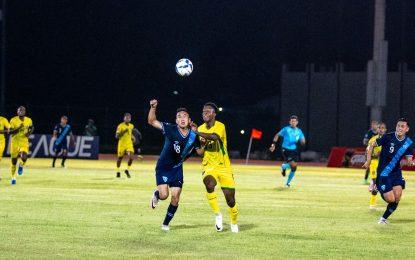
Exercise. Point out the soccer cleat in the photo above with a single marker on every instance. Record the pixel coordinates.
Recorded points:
(165, 228)
(283, 172)
(218, 224)
(287, 185)
(63, 166)
(127, 173)
(14, 182)
(20, 170)
(118, 175)
(382, 221)
(234, 228)
(154, 200)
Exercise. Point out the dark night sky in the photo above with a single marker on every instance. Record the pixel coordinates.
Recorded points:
(113, 53)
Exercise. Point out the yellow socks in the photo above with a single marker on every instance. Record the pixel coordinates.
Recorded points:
(213, 201)
(13, 171)
(233, 212)
(372, 200)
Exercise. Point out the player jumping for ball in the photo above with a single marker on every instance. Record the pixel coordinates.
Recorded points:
(60, 146)
(125, 144)
(291, 136)
(179, 142)
(389, 181)
(217, 166)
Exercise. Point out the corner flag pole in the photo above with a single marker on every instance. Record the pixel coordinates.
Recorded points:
(249, 151)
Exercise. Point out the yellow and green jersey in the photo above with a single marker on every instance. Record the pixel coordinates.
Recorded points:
(4, 124)
(126, 138)
(216, 152)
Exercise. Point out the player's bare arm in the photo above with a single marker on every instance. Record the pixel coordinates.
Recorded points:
(30, 130)
(369, 151)
(410, 160)
(118, 135)
(302, 142)
(212, 136)
(152, 119)
(274, 141)
(13, 131)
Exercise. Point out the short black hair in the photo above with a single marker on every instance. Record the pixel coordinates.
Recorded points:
(212, 105)
(403, 119)
(293, 117)
(182, 109)
(64, 117)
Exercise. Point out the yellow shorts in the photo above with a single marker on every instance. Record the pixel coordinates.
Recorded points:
(222, 175)
(123, 149)
(373, 168)
(18, 146)
(2, 147)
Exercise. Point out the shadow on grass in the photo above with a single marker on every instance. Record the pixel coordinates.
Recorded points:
(404, 220)
(190, 226)
(282, 189)
(246, 227)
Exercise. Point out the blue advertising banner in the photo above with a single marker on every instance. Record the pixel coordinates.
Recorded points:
(86, 147)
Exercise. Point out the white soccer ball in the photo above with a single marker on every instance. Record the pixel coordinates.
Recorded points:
(184, 67)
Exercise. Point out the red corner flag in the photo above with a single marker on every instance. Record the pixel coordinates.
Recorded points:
(256, 134)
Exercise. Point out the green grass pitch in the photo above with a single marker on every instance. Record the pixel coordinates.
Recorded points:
(85, 212)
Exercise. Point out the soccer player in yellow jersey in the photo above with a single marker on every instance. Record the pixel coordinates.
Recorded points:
(4, 129)
(21, 128)
(374, 165)
(125, 144)
(217, 166)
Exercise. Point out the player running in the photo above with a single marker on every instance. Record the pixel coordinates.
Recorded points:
(291, 136)
(374, 128)
(125, 144)
(4, 129)
(21, 129)
(374, 165)
(389, 181)
(60, 145)
(217, 166)
(179, 142)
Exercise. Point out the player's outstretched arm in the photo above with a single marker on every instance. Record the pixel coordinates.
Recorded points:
(207, 136)
(152, 119)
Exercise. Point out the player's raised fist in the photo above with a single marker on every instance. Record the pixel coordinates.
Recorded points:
(153, 103)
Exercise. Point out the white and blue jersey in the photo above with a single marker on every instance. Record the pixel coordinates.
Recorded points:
(177, 148)
(61, 140)
(291, 136)
(389, 172)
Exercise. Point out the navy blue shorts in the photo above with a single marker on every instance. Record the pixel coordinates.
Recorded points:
(386, 184)
(290, 155)
(172, 177)
(61, 146)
